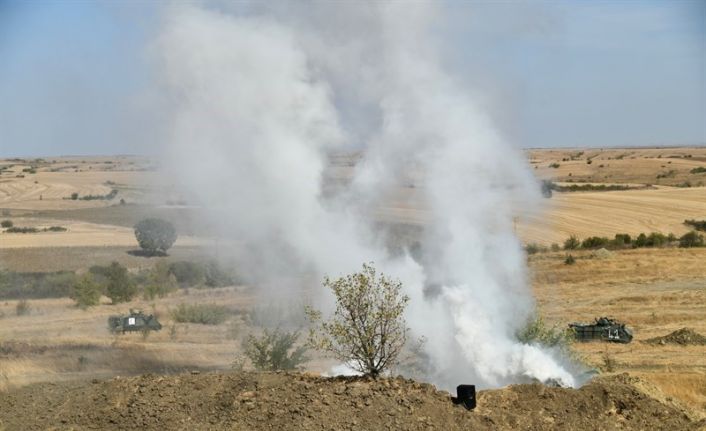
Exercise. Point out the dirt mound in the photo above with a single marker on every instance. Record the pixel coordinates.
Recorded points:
(266, 401)
(683, 336)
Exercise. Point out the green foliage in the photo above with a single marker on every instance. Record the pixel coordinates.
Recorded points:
(554, 165)
(640, 241)
(86, 292)
(570, 260)
(367, 329)
(691, 239)
(555, 247)
(155, 235)
(206, 314)
(696, 224)
(595, 242)
(656, 239)
(22, 308)
(274, 350)
(6, 223)
(56, 229)
(74, 196)
(572, 243)
(105, 197)
(119, 286)
(17, 229)
(160, 282)
(216, 276)
(35, 284)
(699, 170)
(533, 248)
(187, 273)
(591, 187)
(622, 240)
(536, 331)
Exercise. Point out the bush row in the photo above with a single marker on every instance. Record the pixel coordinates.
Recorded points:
(622, 241)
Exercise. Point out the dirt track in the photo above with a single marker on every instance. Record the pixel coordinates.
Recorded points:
(274, 401)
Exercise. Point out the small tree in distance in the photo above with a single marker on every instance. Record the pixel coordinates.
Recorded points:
(86, 292)
(274, 350)
(155, 235)
(119, 288)
(367, 330)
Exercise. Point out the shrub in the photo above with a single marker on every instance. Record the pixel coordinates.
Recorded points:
(187, 273)
(86, 292)
(17, 229)
(640, 241)
(274, 350)
(22, 307)
(532, 248)
(691, 239)
(554, 165)
(595, 242)
(696, 224)
(216, 277)
(655, 239)
(622, 240)
(74, 196)
(570, 260)
(56, 229)
(119, 287)
(206, 314)
(537, 332)
(555, 247)
(6, 223)
(155, 235)
(572, 243)
(699, 170)
(160, 282)
(367, 330)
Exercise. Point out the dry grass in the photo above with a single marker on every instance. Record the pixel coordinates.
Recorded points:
(60, 342)
(621, 165)
(654, 291)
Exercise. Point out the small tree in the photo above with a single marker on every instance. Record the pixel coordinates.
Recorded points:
(86, 292)
(155, 235)
(160, 281)
(367, 329)
(6, 223)
(119, 288)
(572, 243)
(691, 239)
(274, 350)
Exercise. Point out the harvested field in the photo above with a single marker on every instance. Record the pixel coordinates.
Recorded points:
(266, 401)
(77, 234)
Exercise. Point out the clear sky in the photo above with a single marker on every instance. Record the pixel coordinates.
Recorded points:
(75, 76)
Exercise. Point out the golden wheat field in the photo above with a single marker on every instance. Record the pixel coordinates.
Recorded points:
(655, 291)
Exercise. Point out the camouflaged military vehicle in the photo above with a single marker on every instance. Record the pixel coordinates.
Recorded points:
(135, 321)
(603, 329)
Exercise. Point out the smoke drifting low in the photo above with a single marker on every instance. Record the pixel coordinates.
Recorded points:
(261, 96)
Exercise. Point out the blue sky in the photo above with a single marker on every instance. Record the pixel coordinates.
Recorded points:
(73, 75)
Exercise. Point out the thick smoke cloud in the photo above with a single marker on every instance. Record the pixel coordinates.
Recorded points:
(262, 94)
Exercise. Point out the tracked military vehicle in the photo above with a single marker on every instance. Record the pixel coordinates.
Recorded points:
(135, 321)
(603, 329)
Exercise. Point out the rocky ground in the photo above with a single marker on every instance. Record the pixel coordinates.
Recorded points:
(276, 401)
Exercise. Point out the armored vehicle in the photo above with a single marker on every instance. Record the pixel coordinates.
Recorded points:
(135, 321)
(604, 329)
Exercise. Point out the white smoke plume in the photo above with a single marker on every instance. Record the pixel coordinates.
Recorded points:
(262, 94)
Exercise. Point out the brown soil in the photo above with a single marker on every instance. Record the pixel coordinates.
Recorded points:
(683, 336)
(273, 401)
